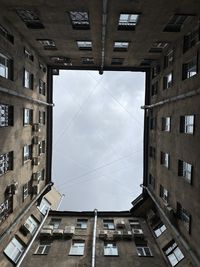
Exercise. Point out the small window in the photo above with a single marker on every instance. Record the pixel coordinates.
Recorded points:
(155, 70)
(6, 206)
(158, 47)
(166, 124)
(143, 251)
(154, 88)
(184, 216)
(28, 54)
(42, 88)
(152, 152)
(26, 190)
(31, 224)
(41, 147)
(27, 152)
(127, 22)
(84, 45)
(168, 81)
(117, 61)
(173, 253)
(28, 116)
(169, 58)
(44, 206)
(153, 123)
(159, 229)
(43, 249)
(121, 46)
(62, 60)
(81, 223)
(5, 33)
(55, 222)
(110, 249)
(191, 39)
(87, 60)
(108, 224)
(80, 20)
(6, 115)
(185, 170)
(165, 159)
(77, 248)
(164, 194)
(6, 162)
(30, 18)
(151, 183)
(41, 175)
(28, 79)
(187, 124)
(47, 44)
(42, 117)
(6, 67)
(176, 22)
(14, 250)
(190, 68)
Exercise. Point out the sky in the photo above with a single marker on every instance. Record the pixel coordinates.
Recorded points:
(98, 139)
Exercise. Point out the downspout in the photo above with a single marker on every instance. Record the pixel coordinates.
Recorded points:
(33, 239)
(94, 238)
(62, 197)
(15, 93)
(21, 215)
(172, 99)
(103, 35)
(174, 230)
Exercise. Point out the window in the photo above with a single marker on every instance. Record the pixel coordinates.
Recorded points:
(135, 224)
(159, 229)
(87, 60)
(42, 116)
(110, 249)
(41, 147)
(14, 250)
(185, 170)
(43, 249)
(6, 162)
(184, 216)
(26, 190)
(77, 248)
(152, 152)
(166, 124)
(176, 22)
(173, 253)
(55, 222)
(108, 224)
(169, 58)
(81, 223)
(4, 32)
(190, 68)
(168, 81)
(44, 206)
(47, 44)
(27, 152)
(62, 60)
(28, 116)
(42, 86)
(155, 70)
(80, 20)
(191, 39)
(6, 67)
(6, 208)
(187, 124)
(153, 123)
(31, 224)
(164, 194)
(117, 61)
(151, 181)
(143, 251)
(30, 18)
(28, 54)
(154, 88)
(158, 47)
(28, 79)
(84, 45)
(165, 159)
(6, 115)
(40, 175)
(127, 22)
(121, 46)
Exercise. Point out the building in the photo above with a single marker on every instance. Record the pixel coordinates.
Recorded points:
(159, 38)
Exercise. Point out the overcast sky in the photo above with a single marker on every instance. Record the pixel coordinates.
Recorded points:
(98, 139)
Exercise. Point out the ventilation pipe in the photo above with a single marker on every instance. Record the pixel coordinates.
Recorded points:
(94, 238)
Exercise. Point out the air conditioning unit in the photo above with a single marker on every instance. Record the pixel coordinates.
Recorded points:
(36, 161)
(46, 233)
(69, 231)
(35, 140)
(127, 235)
(121, 224)
(103, 234)
(35, 190)
(117, 234)
(57, 233)
(47, 227)
(36, 127)
(137, 232)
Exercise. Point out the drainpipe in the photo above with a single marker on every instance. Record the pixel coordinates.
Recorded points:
(172, 99)
(22, 214)
(174, 230)
(33, 239)
(103, 35)
(94, 238)
(62, 197)
(14, 93)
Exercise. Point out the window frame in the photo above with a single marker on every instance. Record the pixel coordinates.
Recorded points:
(190, 68)
(28, 79)
(77, 248)
(109, 224)
(159, 229)
(45, 249)
(79, 23)
(166, 124)
(164, 194)
(168, 81)
(110, 249)
(27, 153)
(17, 247)
(6, 162)
(173, 247)
(143, 251)
(185, 124)
(6, 115)
(129, 22)
(81, 224)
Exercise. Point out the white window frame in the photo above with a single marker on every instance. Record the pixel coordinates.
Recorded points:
(189, 124)
(4, 69)
(128, 19)
(108, 224)
(174, 254)
(14, 250)
(159, 229)
(81, 223)
(26, 153)
(77, 248)
(43, 249)
(25, 190)
(166, 124)
(165, 159)
(121, 45)
(27, 79)
(144, 251)
(27, 116)
(84, 44)
(33, 224)
(110, 249)
(44, 206)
